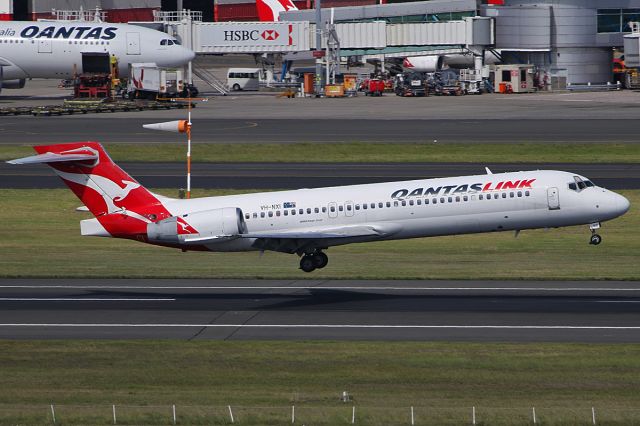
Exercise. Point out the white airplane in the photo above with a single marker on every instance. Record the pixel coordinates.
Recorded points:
(55, 49)
(309, 221)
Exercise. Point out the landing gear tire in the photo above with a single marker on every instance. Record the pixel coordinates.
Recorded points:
(307, 263)
(320, 260)
(595, 239)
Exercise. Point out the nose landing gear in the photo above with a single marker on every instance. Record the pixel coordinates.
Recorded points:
(313, 261)
(595, 238)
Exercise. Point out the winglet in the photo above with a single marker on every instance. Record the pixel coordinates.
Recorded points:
(489, 172)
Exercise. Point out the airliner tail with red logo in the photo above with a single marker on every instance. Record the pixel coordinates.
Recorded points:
(269, 10)
(309, 221)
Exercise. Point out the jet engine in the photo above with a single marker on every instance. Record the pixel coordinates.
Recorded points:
(12, 84)
(208, 226)
(424, 63)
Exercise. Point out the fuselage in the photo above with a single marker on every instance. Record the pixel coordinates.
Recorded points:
(421, 208)
(55, 49)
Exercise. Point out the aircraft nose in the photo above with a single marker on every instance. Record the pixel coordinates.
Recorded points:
(622, 204)
(188, 54)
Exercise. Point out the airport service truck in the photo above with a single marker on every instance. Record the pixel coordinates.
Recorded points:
(148, 81)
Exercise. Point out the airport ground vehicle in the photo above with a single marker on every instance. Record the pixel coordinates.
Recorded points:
(373, 87)
(243, 78)
(309, 221)
(410, 84)
(148, 81)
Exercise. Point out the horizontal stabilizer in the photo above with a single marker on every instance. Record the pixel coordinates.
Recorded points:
(50, 157)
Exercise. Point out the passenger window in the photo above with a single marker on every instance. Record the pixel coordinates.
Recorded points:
(457, 199)
(435, 201)
(380, 205)
(364, 206)
(519, 193)
(286, 212)
(527, 193)
(324, 210)
(270, 214)
(504, 195)
(419, 202)
(261, 214)
(450, 199)
(293, 212)
(278, 213)
(511, 194)
(426, 201)
(357, 206)
(308, 210)
(340, 208)
(301, 211)
(404, 203)
(246, 216)
(480, 197)
(255, 215)
(465, 198)
(441, 199)
(333, 209)
(349, 207)
(316, 210)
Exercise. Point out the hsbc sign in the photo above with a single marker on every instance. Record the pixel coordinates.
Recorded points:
(252, 37)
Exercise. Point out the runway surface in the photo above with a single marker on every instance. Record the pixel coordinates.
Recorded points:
(311, 175)
(519, 311)
(111, 129)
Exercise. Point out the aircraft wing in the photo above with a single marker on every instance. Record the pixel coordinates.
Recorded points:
(291, 241)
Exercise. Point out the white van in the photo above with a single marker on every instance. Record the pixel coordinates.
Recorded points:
(243, 78)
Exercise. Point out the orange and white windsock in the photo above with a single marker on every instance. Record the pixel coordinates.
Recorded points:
(176, 126)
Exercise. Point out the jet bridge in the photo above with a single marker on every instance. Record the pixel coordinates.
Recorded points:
(299, 36)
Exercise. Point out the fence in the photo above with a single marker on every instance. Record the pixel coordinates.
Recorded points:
(343, 414)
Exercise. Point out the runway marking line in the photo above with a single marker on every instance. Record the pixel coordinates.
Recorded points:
(358, 326)
(84, 287)
(81, 299)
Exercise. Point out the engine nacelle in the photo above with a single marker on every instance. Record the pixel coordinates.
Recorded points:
(13, 84)
(207, 226)
(424, 63)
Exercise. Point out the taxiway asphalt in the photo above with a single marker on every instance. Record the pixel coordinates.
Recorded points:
(506, 311)
(111, 129)
(312, 175)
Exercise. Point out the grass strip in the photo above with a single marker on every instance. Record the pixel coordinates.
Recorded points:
(369, 152)
(261, 380)
(41, 238)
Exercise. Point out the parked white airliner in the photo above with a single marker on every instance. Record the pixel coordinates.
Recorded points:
(308, 221)
(55, 49)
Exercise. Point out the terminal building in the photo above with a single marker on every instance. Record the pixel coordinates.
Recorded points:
(571, 41)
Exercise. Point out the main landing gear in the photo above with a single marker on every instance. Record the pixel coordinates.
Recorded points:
(595, 238)
(313, 261)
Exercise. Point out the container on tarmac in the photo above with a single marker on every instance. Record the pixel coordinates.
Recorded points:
(148, 81)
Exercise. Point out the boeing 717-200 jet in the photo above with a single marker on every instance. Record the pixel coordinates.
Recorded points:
(309, 221)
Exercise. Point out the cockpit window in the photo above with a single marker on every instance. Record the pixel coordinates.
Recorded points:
(168, 42)
(176, 42)
(163, 42)
(579, 184)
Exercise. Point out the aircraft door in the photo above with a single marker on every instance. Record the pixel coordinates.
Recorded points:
(348, 208)
(333, 210)
(44, 45)
(133, 43)
(553, 199)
